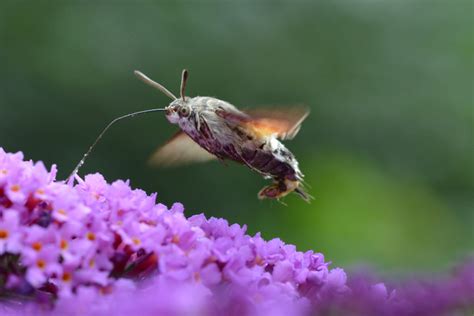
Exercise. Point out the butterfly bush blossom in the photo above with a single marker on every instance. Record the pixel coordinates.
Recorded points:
(94, 248)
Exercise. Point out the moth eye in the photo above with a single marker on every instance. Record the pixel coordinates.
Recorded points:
(184, 111)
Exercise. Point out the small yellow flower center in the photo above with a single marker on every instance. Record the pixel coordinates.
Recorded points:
(3, 171)
(67, 277)
(197, 277)
(62, 212)
(40, 191)
(105, 290)
(91, 236)
(15, 188)
(91, 263)
(258, 260)
(41, 263)
(175, 239)
(3, 234)
(63, 244)
(136, 241)
(37, 246)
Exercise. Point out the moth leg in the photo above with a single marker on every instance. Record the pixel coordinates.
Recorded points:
(269, 192)
(281, 188)
(221, 160)
(276, 190)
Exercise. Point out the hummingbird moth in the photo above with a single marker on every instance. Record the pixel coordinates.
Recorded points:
(214, 129)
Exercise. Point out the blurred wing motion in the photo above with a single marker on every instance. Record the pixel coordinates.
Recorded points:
(285, 123)
(179, 150)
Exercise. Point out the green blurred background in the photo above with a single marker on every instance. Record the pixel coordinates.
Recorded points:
(388, 147)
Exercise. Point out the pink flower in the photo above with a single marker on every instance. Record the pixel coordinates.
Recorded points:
(41, 264)
(10, 232)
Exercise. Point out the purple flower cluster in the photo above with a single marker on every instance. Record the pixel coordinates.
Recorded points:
(451, 295)
(59, 240)
(94, 248)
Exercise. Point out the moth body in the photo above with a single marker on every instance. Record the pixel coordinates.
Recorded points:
(220, 128)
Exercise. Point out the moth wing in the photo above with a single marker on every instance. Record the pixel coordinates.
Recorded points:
(179, 150)
(285, 123)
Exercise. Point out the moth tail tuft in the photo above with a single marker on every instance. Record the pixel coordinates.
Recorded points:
(304, 194)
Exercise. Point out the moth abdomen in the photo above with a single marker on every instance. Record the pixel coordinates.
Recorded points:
(231, 152)
(282, 170)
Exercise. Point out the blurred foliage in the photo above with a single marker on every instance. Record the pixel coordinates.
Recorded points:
(387, 149)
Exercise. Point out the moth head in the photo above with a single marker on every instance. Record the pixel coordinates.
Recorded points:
(178, 111)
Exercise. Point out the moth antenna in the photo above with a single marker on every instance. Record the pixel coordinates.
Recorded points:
(154, 84)
(81, 162)
(184, 79)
